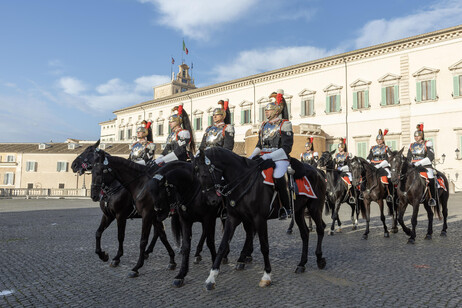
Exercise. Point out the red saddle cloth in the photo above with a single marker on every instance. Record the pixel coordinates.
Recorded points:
(440, 180)
(384, 180)
(304, 186)
(347, 181)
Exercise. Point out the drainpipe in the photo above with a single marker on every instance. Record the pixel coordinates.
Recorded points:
(346, 99)
(254, 102)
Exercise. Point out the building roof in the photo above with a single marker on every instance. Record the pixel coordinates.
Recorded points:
(59, 148)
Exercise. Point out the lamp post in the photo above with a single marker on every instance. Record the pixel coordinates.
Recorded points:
(83, 182)
(457, 153)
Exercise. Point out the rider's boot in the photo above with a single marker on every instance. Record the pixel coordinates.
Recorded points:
(432, 187)
(281, 187)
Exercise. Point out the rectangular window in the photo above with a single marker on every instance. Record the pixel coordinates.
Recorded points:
(121, 134)
(210, 119)
(8, 179)
(308, 107)
(232, 118)
(331, 146)
(160, 129)
(261, 111)
(245, 116)
(129, 133)
(362, 149)
(425, 90)
(10, 158)
(332, 103)
(198, 123)
(390, 96)
(459, 85)
(61, 166)
(392, 144)
(61, 185)
(30, 185)
(31, 166)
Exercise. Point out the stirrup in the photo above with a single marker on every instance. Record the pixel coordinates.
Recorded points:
(284, 213)
(361, 196)
(352, 199)
(389, 198)
(432, 202)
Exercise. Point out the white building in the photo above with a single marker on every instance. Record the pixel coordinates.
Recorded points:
(394, 85)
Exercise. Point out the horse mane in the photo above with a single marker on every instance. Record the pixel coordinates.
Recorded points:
(125, 162)
(222, 152)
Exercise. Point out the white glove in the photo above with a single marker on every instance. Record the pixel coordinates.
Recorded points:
(159, 161)
(266, 156)
(255, 153)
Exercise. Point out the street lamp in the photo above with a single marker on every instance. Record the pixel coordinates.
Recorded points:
(457, 153)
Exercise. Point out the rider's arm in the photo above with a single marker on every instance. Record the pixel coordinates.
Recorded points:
(430, 152)
(202, 146)
(287, 137)
(370, 156)
(228, 143)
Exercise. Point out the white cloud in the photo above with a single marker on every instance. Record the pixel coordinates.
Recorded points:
(439, 16)
(144, 84)
(199, 18)
(71, 85)
(9, 85)
(113, 86)
(257, 61)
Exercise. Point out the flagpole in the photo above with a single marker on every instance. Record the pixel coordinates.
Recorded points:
(171, 68)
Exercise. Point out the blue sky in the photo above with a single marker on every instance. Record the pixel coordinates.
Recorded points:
(66, 65)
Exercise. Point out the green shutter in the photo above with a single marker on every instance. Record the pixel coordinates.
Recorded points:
(303, 113)
(355, 100)
(383, 102)
(311, 106)
(232, 118)
(242, 116)
(418, 87)
(396, 94)
(337, 103)
(289, 109)
(366, 99)
(433, 89)
(456, 86)
(210, 120)
(327, 104)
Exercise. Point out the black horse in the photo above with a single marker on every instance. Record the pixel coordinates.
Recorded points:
(251, 202)
(337, 193)
(412, 189)
(375, 191)
(117, 203)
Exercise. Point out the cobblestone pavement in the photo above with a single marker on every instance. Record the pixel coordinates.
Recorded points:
(47, 259)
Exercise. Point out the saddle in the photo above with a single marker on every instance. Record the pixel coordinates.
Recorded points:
(439, 180)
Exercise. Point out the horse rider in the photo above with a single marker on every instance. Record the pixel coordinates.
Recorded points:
(275, 141)
(341, 165)
(309, 156)
(421, 154)
(142, 151)
(378, 155)
(181, 138)
(221, 132)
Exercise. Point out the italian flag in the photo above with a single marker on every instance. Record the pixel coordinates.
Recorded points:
(184, 48)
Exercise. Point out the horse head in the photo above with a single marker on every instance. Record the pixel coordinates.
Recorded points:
(357, 169)
(101, 176)
(84, 161)
(209, 177)
(326, 159)
(397, 162)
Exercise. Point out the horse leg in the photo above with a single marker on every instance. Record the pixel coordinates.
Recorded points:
(382, 218)
(186, 228)
(264, 248)
(444, 210)
(230, 227)
(291, 226)
(226, 253)
(246, 253)
(121, 224)
(155, 236)
(335, 217)
(316, 214)
(429, 234)
(415, 213)
(200, 245)
(394, 227)
(145, 230)
(159, 231)
(210, 225)
(402, 210)
(105, 222)
(310, 223)
(304, 234)
(354, 221)
(367, 205)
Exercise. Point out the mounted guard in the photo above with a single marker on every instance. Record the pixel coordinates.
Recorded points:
(421, 154)
(341, 165)
(181, 138)
(142, 151)
(221, 132)
(275, 141)
(309, 156)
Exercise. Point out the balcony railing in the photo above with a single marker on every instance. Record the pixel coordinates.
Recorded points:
(44, 193)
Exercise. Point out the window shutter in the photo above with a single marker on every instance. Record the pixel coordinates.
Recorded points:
(311, 106)
(242, 116)
(327, 104)
(355, 100)
(337, 103)
(57, 166)
(210, 120)
(396, 94)
(250, 116)
(66, 165)
(303, 113)
(456, 86)
(433, 89)
(383, 102)
(232, 118)
(418, 87)
(366, 99)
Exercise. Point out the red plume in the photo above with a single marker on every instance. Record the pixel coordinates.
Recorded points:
(148, 125)
(385, 132)
(225, 105)
(279, 98)
(421, 127)
(311, 140)
(180, 109)
(343, 140)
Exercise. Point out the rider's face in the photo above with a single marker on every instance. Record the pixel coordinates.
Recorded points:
(379, 141)
(172, 124)
(418, 138)
(217, 118)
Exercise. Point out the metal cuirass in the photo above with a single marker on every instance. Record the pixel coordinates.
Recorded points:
(138, 151)
(341, 159)
(307, 156)
(172, 142)
(418, 151)
(379, 152)
(271, 135)
(214, 137)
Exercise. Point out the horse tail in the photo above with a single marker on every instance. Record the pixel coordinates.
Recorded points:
(176, 228)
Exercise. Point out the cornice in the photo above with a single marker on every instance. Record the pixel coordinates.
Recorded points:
(355, 55)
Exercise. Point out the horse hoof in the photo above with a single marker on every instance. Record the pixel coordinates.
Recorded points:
(411, 241)
(248, 259)
(114, 263)
(299, 269)
(289, 231)
(240, 266)
(133, 274)
(428, 237)
(224, 261)
(443, 233)
(394, 230)
(354, 228)
(264, 283)
(321, 263)
(364, 236)
(330, 232)
(386, 234)
(210, 286)
(105, 257)
(178, 283)
(197, 259)
(339, 230)
(171, 266)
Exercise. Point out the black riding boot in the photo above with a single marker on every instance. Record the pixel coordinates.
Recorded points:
(281, 187)
(432, 187)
